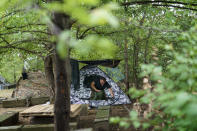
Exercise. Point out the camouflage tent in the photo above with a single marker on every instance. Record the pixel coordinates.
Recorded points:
(82, 94)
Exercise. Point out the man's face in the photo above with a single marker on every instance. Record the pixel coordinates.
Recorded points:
(102, 82)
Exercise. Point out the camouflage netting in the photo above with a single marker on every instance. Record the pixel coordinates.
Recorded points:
(34, 86)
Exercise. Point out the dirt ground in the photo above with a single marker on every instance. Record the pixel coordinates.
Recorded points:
(35, 86)
(7, 93)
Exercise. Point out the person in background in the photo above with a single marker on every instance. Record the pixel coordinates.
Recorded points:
(98, 84)
(24, 74)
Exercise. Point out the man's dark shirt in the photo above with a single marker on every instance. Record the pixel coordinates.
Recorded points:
(96, 79)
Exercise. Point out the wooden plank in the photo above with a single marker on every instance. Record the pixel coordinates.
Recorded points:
(38, 127)
(10, 103)
(47, 110)
(86, 129)
(75, 107)
(101, 126)
(73, 114)
(102, 114)
(45, 127)
(38, 100)
(101, 121)
(104, 107)
(38, 109)
(9, 118)
(11, 128)
(84, 110)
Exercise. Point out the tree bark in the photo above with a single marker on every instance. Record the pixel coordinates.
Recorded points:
(61, 70)
(62, 75)
(48, 66)
(135, 64)
(146, 47)
(126, 64)
(62, 94)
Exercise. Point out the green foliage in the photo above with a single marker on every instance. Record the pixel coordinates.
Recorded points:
(92, 45)
(23, 30)
(87, 16)
(11, 67)
(95, 47)
(98, 24)
(174, 94)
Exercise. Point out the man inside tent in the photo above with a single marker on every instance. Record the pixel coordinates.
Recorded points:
(98, 84)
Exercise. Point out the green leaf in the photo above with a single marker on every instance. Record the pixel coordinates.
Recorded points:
(115, 120)
(62, 46)
(101, 17)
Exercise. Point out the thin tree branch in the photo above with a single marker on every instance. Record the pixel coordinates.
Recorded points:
(25, 31)
(31, 24)
(77, 33)
(174, 4)
(185, 8)
(83, 35)
(40, 41)
(19, 48)
(12, 13)
(157, 1)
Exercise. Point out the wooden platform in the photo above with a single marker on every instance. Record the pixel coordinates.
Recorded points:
(47, 110)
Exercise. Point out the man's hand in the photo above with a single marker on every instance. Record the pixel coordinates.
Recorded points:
(98, 90)
(93, 87)
(112, 95)
(111, 92)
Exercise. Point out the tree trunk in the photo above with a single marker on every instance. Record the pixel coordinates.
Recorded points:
(48, 66)
(146, 48)
(62, 76)
(135, 63)
(62, 95)
(126, 65)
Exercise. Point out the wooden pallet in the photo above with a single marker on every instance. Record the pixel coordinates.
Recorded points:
(101, 121)
(47, 110)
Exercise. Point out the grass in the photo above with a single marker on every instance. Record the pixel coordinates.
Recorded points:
(7, 93)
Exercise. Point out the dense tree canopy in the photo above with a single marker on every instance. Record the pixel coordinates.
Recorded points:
(155, 39)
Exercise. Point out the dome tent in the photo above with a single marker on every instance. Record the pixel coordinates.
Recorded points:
(82, 94)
